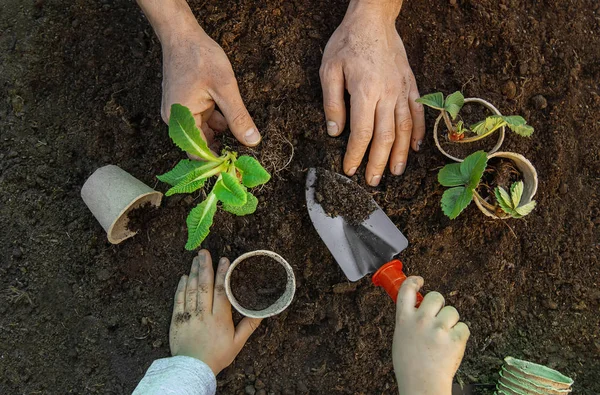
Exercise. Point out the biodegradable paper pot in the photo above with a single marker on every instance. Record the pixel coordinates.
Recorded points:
(280, 304)
(489, 106)
(525, 386)
(528, 374)
(110, 194)
(530, 183)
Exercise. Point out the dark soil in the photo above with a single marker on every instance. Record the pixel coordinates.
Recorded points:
(258, 282)
(343, 198)
(139, 218)
(498, 173)
(81, 88)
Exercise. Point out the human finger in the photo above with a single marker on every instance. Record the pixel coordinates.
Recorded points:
(240, 123)
(417, 114)
(432, 303)
(383, 140)
(244, 330)
(179, 299)
(332, 83)
(401, 146)
(206, 280)
(362, 118)
(217, 122)
(191, 289)
(209, 133)
(461, 332)
(221, 304)
(407, 295)
(447, 317)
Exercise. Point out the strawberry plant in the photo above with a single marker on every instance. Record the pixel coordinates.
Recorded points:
(234, 176)
(459, 132)
(464, 179)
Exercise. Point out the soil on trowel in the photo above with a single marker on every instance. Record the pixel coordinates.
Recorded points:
(140, 217)
(343, 198)
(498, 173)
(258, 282)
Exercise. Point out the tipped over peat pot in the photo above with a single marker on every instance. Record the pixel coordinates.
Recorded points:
(527, 378)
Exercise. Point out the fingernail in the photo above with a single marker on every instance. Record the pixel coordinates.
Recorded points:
(222, 261)
(375, 180)
(202, 256)
(399, 168)
(351, 171)
(332, 128)
(252, 136)
(419, 145)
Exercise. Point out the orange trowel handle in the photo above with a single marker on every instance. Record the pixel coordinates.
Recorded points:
(390, 276)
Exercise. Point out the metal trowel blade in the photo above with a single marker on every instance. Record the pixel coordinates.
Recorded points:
(359, 250)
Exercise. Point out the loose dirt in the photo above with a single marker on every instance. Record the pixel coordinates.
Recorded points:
(81, 88)
(258, 282)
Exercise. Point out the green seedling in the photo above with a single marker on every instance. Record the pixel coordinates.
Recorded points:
(234, 176)
(450, 108)
(463, 180)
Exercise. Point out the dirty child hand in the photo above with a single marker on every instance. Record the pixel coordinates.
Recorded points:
(366, 56)
(202, 326)
(197, 73)
(429, 342)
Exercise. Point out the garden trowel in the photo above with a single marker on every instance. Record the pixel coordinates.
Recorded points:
(369, 247)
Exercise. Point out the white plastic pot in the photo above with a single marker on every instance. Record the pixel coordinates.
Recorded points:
(486, 104)
(530, 183)
(110, 194)
(280, 304)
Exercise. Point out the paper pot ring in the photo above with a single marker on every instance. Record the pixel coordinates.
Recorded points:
(111, 193)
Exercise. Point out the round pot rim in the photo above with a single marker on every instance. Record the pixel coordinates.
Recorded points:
(489, 106)
(278, 306)
(153, 198)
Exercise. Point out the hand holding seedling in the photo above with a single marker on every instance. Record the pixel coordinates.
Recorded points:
(202, 325)
(366, 56)
(197, 73)
(429, 342)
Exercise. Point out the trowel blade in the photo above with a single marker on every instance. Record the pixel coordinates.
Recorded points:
(359, 250)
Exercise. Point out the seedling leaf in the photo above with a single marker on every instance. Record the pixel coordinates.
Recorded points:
(228, 190)
(517, 124)
(433, 100)
(472, 168)
(182, 169)
(451, 176)
(526, 208)
(253, 174)
(454, 103)
(510, 203)
(489, 124)
(248, 208)
(504, 200)
(455, 200)
(199, 221)
(186, 135)
(516, 191)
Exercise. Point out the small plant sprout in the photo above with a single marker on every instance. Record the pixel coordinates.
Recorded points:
(509, 203)
(450, 108)
(234, 176)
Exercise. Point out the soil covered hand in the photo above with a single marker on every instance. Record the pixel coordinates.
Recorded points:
(366, 56)
(429, 342)
(202, 325)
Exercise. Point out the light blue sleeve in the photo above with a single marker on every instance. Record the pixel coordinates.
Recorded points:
(178, 376)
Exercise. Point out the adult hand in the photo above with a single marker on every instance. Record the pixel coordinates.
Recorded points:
(429, 342)
(366, 56)
(202, 324)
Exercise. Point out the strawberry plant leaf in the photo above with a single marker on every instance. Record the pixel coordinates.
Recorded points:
(433, 100)
(472, 168)
(488, 125)
(516, 191)
(253, 174)
(181, 171)
(229, 191)
(517, 124)
(455, 200)
(504, 200)
(186, 135)
(526, 208)
(248, 208)
(451, 176)
(199, 221)
(454, 103)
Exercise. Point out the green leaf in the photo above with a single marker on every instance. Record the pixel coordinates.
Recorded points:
(454, 103)
(451, 176)
(455, 200)
(433, 100)
(248, 208)
(253, 174)
(472, 168)
(526, 208)
(196, 178)
(504, 200)
(489, 124)
(199, 222)
(182, 169)
(516, 191)
(229, 190)
(517, 124)
(186, 135)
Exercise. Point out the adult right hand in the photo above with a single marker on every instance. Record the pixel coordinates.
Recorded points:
(429, 342)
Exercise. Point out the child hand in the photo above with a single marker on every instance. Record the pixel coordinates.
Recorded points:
(202, 324)
(429, 342)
